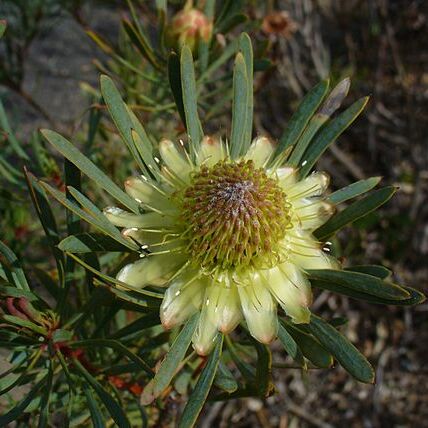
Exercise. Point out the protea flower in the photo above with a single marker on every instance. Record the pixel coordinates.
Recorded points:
(234, 230)
(230, 238)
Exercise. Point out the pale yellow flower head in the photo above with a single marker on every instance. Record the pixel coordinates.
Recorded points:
(230, 239)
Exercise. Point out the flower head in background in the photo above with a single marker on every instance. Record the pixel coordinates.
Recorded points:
(279, 23)
(188, 27)
(230, 239)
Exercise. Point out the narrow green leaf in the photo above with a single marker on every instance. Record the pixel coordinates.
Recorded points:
(98, 221)
(89, 168)
(4, 124)
(15, 412)
(137, 326)
(204, 46)
(118, 347)
(302, 116)
(359, 282)
(329, 133)
(228, 52)
(51, 285)
(230, 22)
(353, 190)
(190, 103)
(290, 346)
(17, 292)
(263, 382)
(246, 369)
(9, 173)
(171, 362)
(239, 107)
(112, 406)
(47, 219)
(224, 379)
(44, 403)
(416, 297)
(375, 270)
(10, 381)
(174, 77)
(109, 50)
(202, 388)
(309, 346)
(73, 179)
(228, 8)
(148, 295)
(246, 48)
(138, 39)
(12, 267)
(126, 121)
(345, 353)
(328, 107)
(90, 242)
(338, 321)
(356, 210)
(24, 323)
(98, 216)
(96, 414)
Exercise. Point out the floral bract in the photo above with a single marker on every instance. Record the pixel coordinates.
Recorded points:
(229, 238)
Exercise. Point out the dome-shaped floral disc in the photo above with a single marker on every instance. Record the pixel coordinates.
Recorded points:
(236, 215)
(229, 239)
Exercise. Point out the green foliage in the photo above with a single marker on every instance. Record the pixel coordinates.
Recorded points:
(91, 348)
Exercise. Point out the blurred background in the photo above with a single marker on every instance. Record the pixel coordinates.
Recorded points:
(49, 67)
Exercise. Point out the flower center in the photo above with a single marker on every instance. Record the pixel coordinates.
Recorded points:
(234, 215)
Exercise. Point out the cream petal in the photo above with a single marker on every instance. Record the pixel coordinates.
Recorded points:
(175, 162)
(123, 218)
(287, 176)
(154, 270)
(206, 331)
(315, 261)
(142, 237)
(182, 299)
(260, 151)
(306, 252)
(313, 214)
(228, 309)
(292, 290)
(314, 185)
(223, 307)
(211, 151)
(259, 310)
(144, 192)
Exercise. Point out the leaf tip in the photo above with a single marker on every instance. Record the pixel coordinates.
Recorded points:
(104, 79)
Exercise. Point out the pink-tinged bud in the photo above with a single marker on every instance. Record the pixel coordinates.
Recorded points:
(13, 310)
(28, 309)
(188, 27)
